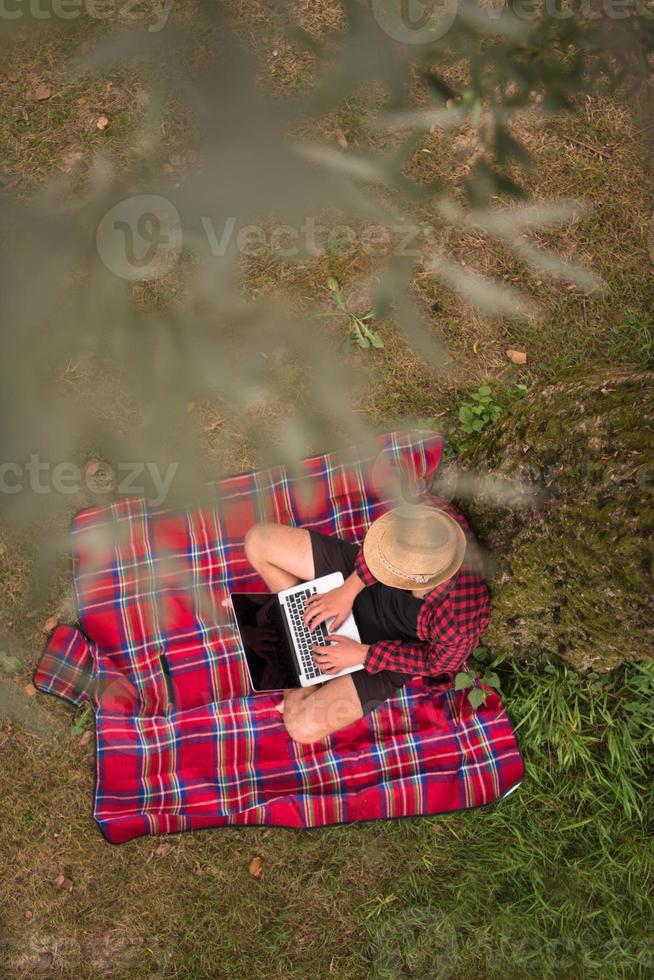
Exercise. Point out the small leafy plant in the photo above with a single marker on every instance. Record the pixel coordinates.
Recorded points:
(470, 679)
(477, 414)
(359, 333)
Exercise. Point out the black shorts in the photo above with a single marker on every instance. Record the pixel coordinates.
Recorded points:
(333, 554)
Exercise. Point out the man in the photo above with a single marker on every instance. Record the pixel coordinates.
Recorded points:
(419, 597)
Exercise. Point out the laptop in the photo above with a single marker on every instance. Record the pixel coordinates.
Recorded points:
(277, 645)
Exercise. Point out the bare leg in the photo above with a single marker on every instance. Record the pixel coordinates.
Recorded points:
(281, 555)
(324, 710)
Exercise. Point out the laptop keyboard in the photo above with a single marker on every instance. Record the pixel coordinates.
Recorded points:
(305, 639)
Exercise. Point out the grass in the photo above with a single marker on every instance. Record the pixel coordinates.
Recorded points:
(554, 881)
(551, 882)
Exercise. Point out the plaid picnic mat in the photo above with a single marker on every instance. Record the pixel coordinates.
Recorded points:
(181, 741)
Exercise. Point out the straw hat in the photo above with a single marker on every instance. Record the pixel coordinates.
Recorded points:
(414, 547)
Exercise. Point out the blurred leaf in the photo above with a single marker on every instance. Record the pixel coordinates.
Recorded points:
(462, 680)
(477, 696)
(9, 664)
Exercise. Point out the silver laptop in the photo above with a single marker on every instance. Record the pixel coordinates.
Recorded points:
(277, 645)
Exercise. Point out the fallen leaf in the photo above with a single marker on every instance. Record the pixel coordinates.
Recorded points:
(81, 101)
(255, 867)
(163, 850)
(91, 467)
(198, 870)
(516, 356)
(102, 123)
(50, 623)
(44, 963)
(11, 78)
(341, 139)
(86, 738)
(29, 914)
(61, 881)
(41, 92)
(30, 690)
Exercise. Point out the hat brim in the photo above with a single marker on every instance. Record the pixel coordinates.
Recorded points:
(387, 577)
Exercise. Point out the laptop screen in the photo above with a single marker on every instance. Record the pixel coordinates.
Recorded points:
(266, 649)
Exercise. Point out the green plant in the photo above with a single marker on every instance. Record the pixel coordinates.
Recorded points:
(359, 334)
(477, 414)
(80, 723)
(470, 679)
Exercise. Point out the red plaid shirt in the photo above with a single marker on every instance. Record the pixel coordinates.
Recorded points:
(451, 620)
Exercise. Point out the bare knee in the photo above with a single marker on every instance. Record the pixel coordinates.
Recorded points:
(256, 540)
(299, 730)
(296, 716)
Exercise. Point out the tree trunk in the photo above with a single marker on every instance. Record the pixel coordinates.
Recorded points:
(572, 565)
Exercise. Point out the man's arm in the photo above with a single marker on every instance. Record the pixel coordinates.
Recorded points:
(418, 656)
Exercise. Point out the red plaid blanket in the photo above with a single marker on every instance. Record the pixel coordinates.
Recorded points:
(181, 742)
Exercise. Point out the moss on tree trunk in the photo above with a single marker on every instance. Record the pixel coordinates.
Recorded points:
(573, 573)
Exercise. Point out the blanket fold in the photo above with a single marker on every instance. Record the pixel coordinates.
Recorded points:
(181, 741)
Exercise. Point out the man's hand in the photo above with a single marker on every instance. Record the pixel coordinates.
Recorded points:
(342, 652)
(337, 603)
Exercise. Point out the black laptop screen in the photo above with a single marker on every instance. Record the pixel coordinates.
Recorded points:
(266, 650)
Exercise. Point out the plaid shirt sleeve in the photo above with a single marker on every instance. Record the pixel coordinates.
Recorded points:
(362, 570)
(420, 657)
